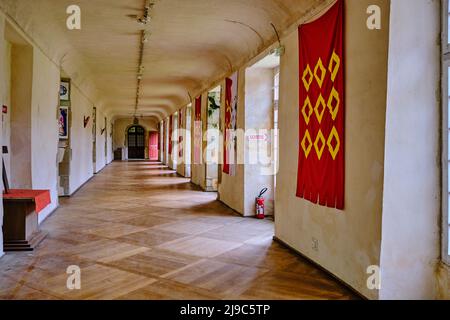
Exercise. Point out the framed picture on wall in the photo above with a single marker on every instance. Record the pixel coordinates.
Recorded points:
(64, 90)
(63, 122)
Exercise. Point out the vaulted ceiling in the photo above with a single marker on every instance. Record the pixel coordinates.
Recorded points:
(192, 43)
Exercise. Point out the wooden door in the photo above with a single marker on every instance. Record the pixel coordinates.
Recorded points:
(136, 143)
(153, 146)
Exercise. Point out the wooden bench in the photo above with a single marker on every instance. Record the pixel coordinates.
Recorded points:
(20, 222)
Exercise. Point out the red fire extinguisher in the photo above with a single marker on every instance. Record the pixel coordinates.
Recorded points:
(260, 204)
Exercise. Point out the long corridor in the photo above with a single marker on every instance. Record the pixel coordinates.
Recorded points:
(138, 231)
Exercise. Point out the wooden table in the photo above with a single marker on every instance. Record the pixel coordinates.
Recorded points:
(20, 223)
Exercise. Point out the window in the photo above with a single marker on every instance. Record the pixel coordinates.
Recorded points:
(446, 132)
(276, 85)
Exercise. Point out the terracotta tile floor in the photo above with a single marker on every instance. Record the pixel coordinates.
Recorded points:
(137, 231)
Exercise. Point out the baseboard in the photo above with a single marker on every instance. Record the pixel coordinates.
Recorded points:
(1, 254)
(179, 175)
(342, 282)
(84, 183)
(49, 214)
(101, 169)
(77, 189)
(229, 207)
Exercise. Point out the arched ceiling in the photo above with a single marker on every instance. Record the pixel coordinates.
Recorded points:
(192, 43)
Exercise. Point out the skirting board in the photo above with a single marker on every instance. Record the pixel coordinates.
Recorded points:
(49, 214)
(84, 183)
(77, 189)
(321, 268)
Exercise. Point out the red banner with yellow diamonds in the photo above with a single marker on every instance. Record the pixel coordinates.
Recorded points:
(180, 134)
(164, 135)
(229, 148)
(321, 144)
(170, 133)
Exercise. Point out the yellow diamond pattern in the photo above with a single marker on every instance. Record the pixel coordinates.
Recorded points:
(320, 107)
(307, 110)
(319, 149)
(307, 148)
(333, 103)
(323, 72)
(334, 135)
(307, 77)
(335, 64)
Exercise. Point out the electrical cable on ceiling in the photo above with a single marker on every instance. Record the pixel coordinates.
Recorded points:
(145, 34)
(276, 32)
(281, 49)
(249, 27)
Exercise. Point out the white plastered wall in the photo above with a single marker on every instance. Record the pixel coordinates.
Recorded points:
(44, 104)
(3, 96)
(258, 120)
(411, 207)
(41, 134)
(44, 128)
(102, 125)
(81, 164)
(348, 241)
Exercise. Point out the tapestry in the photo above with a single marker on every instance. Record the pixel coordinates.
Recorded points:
(164, 136)
(180, 133)
(63, 122)
(212, 135)
(198, 131)
(321, 142)
(230, 143)
(170, 133)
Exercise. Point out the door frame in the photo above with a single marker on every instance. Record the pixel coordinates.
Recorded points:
(145, 136)
(155, 132)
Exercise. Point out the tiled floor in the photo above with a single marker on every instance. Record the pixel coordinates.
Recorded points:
(137, 231)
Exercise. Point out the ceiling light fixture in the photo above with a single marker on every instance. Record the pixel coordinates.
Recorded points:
(145, 37)
(146, 17)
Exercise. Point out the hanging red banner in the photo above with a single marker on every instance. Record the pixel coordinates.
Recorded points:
(198, 131)
(164, 135)
(321, 145)
(180, 133)
(170, 133)
(229, 153)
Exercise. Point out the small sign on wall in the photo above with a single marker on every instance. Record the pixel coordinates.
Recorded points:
(257, 137)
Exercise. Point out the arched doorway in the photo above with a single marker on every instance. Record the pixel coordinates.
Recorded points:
(136, 142)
